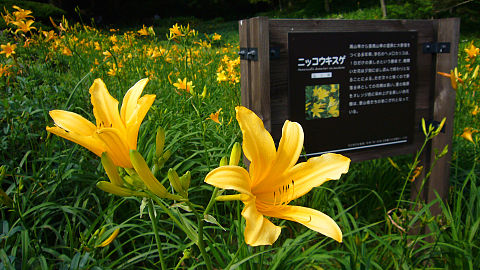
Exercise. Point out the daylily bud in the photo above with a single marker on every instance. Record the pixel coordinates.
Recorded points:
(235, 154)
(439, 128)
(161, 161)
(102, 231)
(151, 31)
(185, 181)
(453, 79)
(175, 181)
(204, 92)
(475, 72)
(223, 161)
(111, 170)
(147, 176)
(444, 151)
(236, 197)
(114, 189)
(134, 181)
(160, 142)
(110, 239)
(424, 128)
(166, 155)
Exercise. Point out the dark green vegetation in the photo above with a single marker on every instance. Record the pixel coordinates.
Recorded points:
(51, 208)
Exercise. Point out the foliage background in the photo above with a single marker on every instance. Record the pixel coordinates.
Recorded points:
(52, 210)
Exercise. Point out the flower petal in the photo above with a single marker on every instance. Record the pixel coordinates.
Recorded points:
(230, 177)
(105, 107)
(258, 144)
(133, 124)
(316, 171)
(290, 145)
(288, 152)
(258, 229)
(72, 122)
(92, 143)
(130, 100)
(311, 218)
(117, 148)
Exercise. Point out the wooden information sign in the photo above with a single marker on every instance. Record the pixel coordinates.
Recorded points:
(342, 81)
(358, 87)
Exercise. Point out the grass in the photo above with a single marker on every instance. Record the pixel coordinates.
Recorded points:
(54, 217)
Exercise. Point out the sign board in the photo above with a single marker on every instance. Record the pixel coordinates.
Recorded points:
(373, 81)
(358, 87)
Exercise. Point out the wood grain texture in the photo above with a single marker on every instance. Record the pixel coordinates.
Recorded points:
(255, 75)
(444, 106)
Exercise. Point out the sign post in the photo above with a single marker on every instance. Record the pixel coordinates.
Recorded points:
(359, 88)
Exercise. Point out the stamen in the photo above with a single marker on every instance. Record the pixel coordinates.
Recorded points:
(286, 194)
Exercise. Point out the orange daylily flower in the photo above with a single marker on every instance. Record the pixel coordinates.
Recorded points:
(472, 51)
(467, 133)
(184, 85)
(214, 116)
(454, 76)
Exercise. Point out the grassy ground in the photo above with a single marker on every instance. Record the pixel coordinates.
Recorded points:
(54, 217)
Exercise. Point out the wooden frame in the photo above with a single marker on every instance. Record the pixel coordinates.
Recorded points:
(264, 82)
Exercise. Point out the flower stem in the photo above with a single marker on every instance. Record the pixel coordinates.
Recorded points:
(151, 213)
(200, 243)
(174, 219)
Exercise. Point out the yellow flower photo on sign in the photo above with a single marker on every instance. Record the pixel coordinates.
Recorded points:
(322, 101)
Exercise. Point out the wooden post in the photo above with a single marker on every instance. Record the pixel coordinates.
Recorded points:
(255, 79)
(444, 106)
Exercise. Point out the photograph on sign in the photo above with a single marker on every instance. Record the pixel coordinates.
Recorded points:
(352, 90)
(321, 101)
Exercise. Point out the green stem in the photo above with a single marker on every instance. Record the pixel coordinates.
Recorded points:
(414, 164)
(185, 256)
(169, 213)
(151, 213)
(200, 243)
(211, 202)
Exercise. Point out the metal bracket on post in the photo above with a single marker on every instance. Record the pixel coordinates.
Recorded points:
(252, 53)
(274, 53)
(248, 54)
(436, 47)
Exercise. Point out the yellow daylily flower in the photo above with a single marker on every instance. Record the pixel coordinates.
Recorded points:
(21, 14)
(8, 49)
(320, 93)
(216, 37)
(317, 109)
(24, 26)
(274, 180)
(175, 31)
(472, 51)
(143, 31)
(115, 133)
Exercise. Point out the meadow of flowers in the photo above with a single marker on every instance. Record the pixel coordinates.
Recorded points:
(155, 180)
